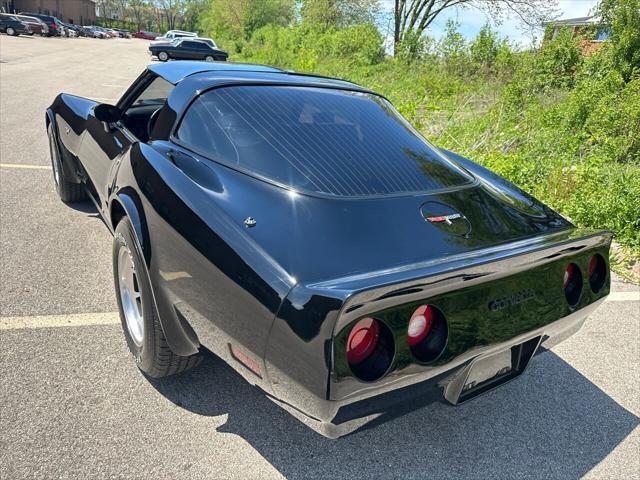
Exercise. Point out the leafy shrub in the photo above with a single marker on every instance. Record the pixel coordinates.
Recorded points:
(623, 19)
(558, 60)
(484, 49)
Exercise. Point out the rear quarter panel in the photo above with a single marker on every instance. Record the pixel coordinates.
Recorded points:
(207, 273)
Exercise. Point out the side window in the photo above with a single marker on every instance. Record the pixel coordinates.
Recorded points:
(202, 131)
(156, 93)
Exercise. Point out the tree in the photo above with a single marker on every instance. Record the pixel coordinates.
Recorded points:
(339, 13)
(484, 48)
(191, 13)
(238, 19)
(169, 9)
(622, 17)
(415, 16)
(260, 13)
(137, 9)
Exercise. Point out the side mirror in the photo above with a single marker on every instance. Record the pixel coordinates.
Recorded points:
(107, 113)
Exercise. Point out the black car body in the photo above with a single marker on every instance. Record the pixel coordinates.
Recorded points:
(54, 25)
(10, 25)
(301, 230)
(187, 49)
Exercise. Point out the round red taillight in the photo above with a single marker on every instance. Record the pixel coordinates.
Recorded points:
(597, 273)
(572, 283)
(420, 324)
(363, 338)
(568, 275)
(593, 264)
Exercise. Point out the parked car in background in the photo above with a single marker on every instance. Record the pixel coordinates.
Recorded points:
(70, 30)
(84, 31)
(10, 25)
(173, 34)
(78, 30)
(208, 41)
(123, 33)
(36, 25)
(187, 49)
(146, 35)
(95, 32)
(55, 26)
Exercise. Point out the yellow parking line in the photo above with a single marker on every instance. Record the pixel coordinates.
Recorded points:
(25, 166)
(53, 321)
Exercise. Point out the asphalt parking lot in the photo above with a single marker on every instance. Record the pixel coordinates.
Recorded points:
(73, 404)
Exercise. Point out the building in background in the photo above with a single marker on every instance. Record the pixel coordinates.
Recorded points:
(81, 12)
(589, 27)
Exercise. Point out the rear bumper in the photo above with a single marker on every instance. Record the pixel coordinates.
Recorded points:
(336, 418)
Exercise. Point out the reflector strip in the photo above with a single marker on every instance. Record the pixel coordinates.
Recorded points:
(245, 360)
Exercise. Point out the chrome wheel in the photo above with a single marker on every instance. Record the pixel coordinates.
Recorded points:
(11, 32)
(130, 296)
(163, 56)
(209, 59)
(55, 163)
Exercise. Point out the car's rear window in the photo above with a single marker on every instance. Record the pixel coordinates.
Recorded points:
(325, 140)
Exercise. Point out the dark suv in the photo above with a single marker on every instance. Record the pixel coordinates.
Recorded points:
(55, 25)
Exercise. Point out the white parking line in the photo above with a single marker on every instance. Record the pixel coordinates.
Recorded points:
(624, 296)
(25, 166)
(64, 320)
(113, 318)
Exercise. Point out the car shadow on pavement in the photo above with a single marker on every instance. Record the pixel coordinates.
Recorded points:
(551, 422)
(84, 206)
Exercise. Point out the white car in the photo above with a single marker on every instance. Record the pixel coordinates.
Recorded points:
(208, 41)
(171, 35)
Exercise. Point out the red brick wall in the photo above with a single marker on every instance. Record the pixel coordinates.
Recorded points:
(70, 11)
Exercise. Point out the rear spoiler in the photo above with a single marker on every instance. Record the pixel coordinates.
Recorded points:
(374, 291)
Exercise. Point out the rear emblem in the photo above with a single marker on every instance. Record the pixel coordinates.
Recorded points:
(446, 218)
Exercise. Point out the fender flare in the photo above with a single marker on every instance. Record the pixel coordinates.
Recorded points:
(179, 335)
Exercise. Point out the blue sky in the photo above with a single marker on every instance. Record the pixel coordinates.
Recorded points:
(472, 20)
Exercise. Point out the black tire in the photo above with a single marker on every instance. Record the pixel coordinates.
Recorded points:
(163, 56)
(11, 32)
(69, 192)
(152, 354)
(209, 58)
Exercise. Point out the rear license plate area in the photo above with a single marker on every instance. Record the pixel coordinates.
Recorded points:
(490, 371)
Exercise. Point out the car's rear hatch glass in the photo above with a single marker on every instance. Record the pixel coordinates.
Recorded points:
(324, 140)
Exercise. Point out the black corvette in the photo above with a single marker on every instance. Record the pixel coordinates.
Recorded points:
(187, 49)
(298, 227)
